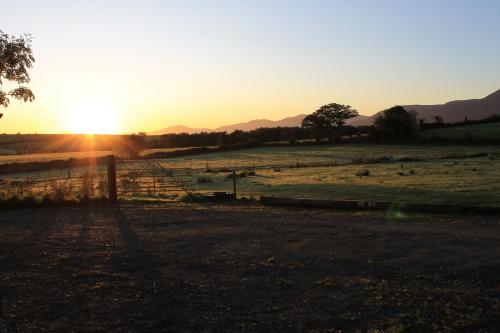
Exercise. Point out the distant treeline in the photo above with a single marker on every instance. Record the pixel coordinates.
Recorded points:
(397, 126)
(38, 166)
(294, 135)
(439, 123)
(289, 135)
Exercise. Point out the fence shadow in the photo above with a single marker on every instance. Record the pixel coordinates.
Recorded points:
(143, 266)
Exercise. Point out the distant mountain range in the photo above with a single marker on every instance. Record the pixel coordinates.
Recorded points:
(451, 112)
(247, 126)
(179, 129)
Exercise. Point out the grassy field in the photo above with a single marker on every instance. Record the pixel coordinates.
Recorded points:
(441, 175)
(404, 173)
(460, 182)
(288, 156)
(483, 131)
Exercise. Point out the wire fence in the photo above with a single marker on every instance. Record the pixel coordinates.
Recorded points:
(133, 178)
(174, 179)
(153, 179)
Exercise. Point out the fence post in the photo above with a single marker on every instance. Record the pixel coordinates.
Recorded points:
(112, 178)
(234, 184)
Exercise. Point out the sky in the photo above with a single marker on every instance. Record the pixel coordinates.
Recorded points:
(130, 66)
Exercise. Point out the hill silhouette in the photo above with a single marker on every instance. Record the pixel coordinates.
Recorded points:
(452, 112)
(179, 129)
(246, 126)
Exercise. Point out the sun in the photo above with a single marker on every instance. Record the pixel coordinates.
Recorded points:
(92, 117)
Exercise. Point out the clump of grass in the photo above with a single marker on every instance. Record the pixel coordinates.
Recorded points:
(204, 180)
(363, 173)
(380, 159)
(277, 169)
(410, 159)
(372, 160)
(453, 156)
(401, 173)
(242, 174)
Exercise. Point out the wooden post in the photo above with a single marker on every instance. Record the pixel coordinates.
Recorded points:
(234, 185)
(112, 178)
(91, 185)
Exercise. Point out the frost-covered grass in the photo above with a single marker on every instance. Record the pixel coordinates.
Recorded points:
(452, 180)
(436, 174)
(467, 182)
(340, 154)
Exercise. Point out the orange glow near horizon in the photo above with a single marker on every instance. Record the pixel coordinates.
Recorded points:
(92, 117)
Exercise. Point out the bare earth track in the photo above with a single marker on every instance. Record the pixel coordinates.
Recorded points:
(157, 268)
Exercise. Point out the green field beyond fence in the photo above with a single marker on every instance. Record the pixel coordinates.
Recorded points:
(404, 173)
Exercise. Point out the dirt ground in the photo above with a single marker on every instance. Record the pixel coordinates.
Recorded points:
(154, 268)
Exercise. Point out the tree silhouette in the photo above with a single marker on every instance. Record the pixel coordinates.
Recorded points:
(16, 57)
(396, 123)
(328, 120)
(438, 120)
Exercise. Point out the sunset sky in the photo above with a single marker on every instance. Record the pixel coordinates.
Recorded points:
(144, 65)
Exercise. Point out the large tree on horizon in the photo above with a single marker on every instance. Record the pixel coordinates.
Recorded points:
(327, 121)
(16, 58)
(396, 123)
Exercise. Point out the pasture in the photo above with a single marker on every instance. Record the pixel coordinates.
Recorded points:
(327, 154)
(395, 173)
(439, 174)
